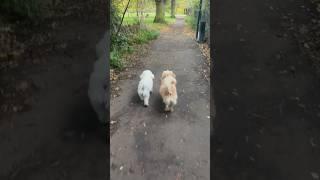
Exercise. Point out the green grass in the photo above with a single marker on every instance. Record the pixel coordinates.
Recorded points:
(133, 19)
(143, 36)
(191, 21)
(124, 44)
(115, 59)
(149, 22)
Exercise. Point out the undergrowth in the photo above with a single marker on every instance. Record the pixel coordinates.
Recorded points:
(191, 21)
(124, 43)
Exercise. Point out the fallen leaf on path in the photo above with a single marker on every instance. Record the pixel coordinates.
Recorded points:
(306, 45)
(231, 108)
(312, 142)
(235, 156)
(252, 158)
(314, 175)
(113, 122)
(235, 92)
(302, 106)
(283, 72)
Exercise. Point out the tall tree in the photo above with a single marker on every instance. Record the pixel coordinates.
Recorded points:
(160, 11)
(173, 8)
(140, 11)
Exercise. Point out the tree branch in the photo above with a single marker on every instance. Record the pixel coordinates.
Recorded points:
(123, 17)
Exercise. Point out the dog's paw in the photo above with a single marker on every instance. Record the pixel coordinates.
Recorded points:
(145, 105)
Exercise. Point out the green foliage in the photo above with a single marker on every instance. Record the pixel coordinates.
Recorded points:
(124, 43)
(144, 36)
(30, 9)
(114, 17)
(148, 20)
(115, 59)
(191, 21)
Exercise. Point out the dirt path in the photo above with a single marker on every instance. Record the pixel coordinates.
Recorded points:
(267, 99)
(150, 144)
(59, 137)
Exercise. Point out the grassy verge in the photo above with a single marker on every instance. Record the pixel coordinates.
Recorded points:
(124, 43)
(191, 21)
(133, 19)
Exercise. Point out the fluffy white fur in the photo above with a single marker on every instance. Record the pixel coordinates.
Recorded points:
(98, 89)
(145, 86)
(168, 90)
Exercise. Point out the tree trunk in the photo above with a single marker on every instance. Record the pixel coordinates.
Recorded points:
(173, 8)
(137, 8)
(141, 9)
(160, 11)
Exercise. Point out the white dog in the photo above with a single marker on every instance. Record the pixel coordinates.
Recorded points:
(145, 86)
(168, 90)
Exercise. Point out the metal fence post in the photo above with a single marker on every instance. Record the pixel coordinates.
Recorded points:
(199, 17)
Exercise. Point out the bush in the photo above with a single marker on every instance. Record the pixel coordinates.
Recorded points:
(123, 43)
(115, 59)
(191, 21)
(144, 36)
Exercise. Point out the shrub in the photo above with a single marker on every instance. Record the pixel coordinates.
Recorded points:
(191, 21)
(115, 59)
(144, 36)
(123, 43)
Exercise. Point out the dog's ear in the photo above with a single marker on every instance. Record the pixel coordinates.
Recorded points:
(141, 76)
(163, 75)
(173, 74)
